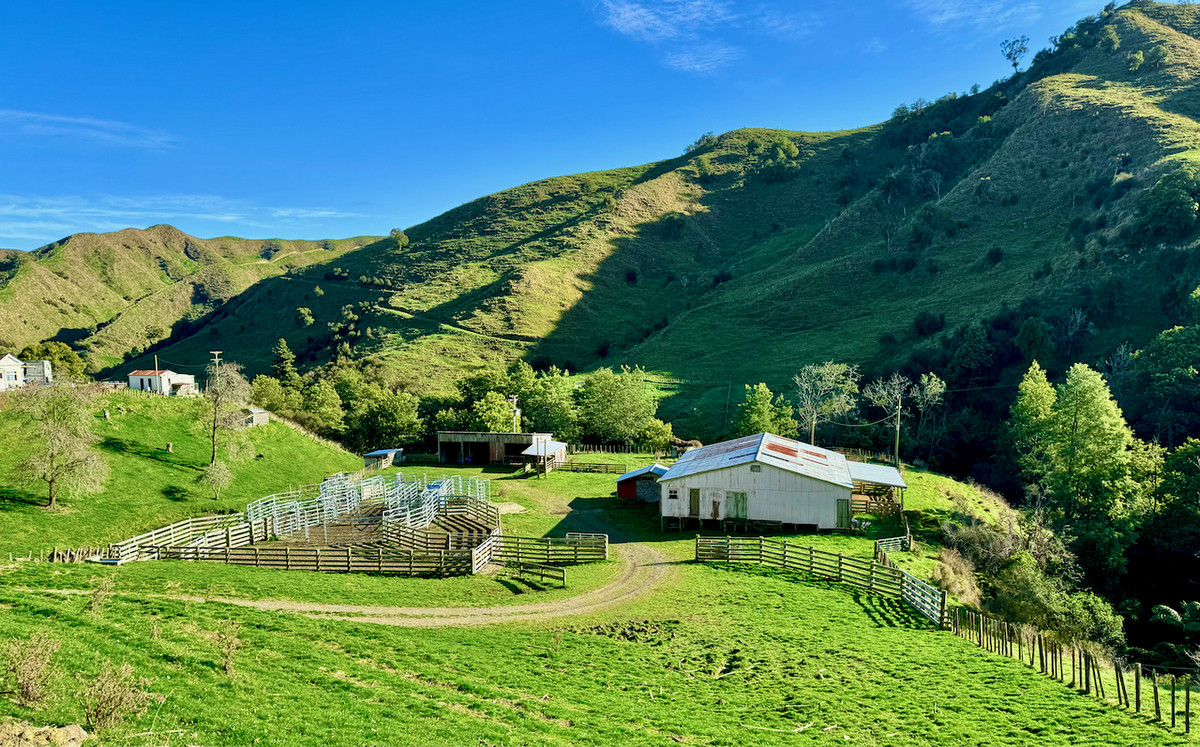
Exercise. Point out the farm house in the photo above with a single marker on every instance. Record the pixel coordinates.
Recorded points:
(766, 480)
(163, 381)
(641, 483)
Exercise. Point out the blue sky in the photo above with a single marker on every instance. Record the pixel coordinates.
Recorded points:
(325, 120)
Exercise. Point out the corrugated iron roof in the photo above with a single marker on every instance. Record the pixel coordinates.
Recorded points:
(150, 372)
(656, 469)
(877, 474)
(381, 452)
(765, 448)
(544, 448)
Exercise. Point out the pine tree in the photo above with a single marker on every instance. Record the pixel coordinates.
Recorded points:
(284, 367)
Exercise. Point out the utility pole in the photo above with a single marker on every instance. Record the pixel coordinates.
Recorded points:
(899, 409)
(215, 399)
(516, 414)
(157, 375)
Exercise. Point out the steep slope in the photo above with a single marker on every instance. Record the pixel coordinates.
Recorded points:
(120, 292)
(763, 250)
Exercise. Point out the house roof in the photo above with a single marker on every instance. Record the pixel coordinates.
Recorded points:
(654, 469)
(4, 358)
(256, 411)
(151, 372)
(382, 452)
(877, 474)
(765, 448)
(544, 448)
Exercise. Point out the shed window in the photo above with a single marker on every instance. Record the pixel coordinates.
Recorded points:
(673, 494)
(756, 468)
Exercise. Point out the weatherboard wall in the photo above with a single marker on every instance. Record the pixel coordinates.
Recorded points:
(772, 494)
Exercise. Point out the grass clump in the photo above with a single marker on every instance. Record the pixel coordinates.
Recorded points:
(114, 695)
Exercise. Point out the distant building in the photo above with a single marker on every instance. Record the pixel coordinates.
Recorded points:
(768, 479)
(382, 458)
(15, 373)
(163, 381)
(641, 483)
(480, 447)
(253, 416)
(544, 455)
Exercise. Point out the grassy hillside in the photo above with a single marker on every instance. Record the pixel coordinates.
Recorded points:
(149, 487)
(119, 293)
(727, 266)
(714, 655)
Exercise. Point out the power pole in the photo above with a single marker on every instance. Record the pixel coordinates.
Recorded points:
(516, 414)
(215, 399)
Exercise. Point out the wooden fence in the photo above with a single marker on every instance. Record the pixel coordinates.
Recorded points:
(540, 570)
(607, 467)
(927, 600)
(551, 550)
(349, 560)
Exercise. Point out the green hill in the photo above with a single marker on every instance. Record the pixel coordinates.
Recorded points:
(116, 294)
(148, 486)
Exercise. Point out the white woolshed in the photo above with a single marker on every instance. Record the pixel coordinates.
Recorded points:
(765, 478)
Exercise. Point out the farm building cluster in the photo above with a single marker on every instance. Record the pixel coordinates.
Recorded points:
(479, 448)
(16, 373)
(769, 481)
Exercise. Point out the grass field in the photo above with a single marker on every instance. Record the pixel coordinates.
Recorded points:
(712, 654)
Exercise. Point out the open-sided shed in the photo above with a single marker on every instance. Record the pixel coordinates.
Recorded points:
(641, 483)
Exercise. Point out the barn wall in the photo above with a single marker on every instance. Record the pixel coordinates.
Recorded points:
(647, 488)
(771, 495)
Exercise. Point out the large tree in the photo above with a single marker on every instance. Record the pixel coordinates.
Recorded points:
(823, 392)
(493, 413)
(549, 405)
(65, 363)
(1030, 425)
(225, 394)
(616, 406)
(64, 455)
(763, 411)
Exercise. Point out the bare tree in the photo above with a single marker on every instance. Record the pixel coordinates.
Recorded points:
(1014, 50)
(216, 477)
(927, 395)
(225, 395)
(824, 392)
(64, 455)
(889, 395)
(1074, 326)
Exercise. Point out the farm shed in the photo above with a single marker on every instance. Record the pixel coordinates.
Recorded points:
(641, 483)
(16, 373)
(480, 447)
(765, 479)
(544, 456)
(381, 458)
(252, 416)
(163, 381)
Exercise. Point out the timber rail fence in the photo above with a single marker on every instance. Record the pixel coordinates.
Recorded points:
(925, 599)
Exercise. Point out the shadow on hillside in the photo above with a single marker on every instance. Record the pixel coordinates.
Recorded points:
(176, 493)
(125, 446)
(886, 613)
(11, 498)
(662, 269)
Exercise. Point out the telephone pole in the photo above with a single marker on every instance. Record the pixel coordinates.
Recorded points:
(516, 414)
(214, 396)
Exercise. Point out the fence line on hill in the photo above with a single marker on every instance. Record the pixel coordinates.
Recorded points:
(923, 598)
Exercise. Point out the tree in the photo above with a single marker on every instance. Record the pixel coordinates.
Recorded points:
(1159, 55)
(225, 395)
(1014, 50)
(824, 392)
(65, 363)
(973, 356)
(400, 237)
(616, 406)
(1109, 40)
(705, 141)
(927, 396)
(1134, 60)
(269, 394)
(284, 367)
(64, 455)
(1030, 424)
(390, 420)
(763, 411)
(493, 413)
(656, 436)
(216, 477)
(1034, 339)
(323, 411)
(889, 395)
(549, 406)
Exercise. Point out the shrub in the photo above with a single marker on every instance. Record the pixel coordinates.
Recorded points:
(631, 276)
(228, 643)
(956, 574)
(994, 255)
(27, 663)
(721, 277)
(115, 695)
(100, 595)
(927, 323)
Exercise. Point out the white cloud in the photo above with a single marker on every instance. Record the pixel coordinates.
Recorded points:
(105, 131)
(663, 20)
(702, 59)
(45, 219)
(992, 13)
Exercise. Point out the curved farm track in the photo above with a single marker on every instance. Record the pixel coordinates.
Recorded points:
(644, 569)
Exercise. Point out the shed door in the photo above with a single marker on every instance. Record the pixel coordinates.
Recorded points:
(694, 502)
(735, 505)
(843, 511)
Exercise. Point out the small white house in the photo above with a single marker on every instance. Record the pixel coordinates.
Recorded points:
(12, 372)
(163, 381)
(763, 478)
(16, 373)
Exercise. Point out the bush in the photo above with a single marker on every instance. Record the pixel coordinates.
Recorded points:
(994, 255)
(705, 141)
(631, 276)
(100, 595)
(928, 323)
(115, 695)
(956, 575)
(27, 663)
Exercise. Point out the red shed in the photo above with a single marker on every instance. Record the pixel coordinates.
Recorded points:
(641, 483)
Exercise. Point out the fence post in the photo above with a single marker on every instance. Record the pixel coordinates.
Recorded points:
(761, 542)
(1154, 684)
(839, 567)
(1174, 681)
(1187, 704)
(941, 615)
